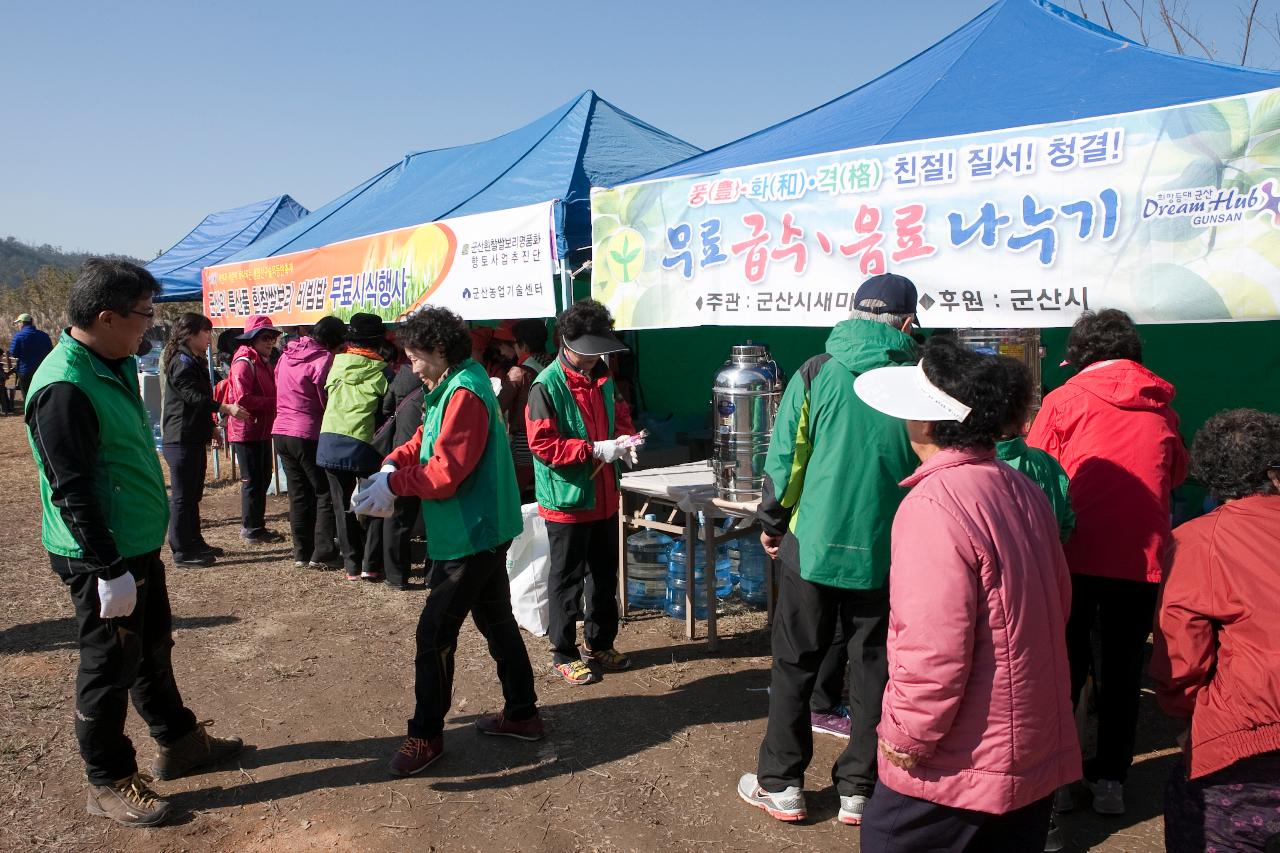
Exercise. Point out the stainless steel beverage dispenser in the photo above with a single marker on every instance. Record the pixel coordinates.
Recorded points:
(744, 403)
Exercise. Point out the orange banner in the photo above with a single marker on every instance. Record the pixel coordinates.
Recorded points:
(489, 266)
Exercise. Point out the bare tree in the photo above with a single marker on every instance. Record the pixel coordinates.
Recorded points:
(1174, 17)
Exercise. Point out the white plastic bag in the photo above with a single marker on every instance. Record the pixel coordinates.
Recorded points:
(528, 568)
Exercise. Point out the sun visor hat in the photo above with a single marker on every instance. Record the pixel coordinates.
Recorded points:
(595, 345)
(905, 392)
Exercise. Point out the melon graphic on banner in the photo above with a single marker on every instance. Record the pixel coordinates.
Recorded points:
(490, 266)
(1171, 214)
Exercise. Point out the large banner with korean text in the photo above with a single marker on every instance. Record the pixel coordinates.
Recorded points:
(1171, 214)
(490, 266)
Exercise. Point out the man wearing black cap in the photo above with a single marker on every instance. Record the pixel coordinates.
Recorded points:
(830, 494)
(578, 430)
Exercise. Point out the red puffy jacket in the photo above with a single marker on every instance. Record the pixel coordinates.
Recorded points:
(1218, 633)
(1114, 431)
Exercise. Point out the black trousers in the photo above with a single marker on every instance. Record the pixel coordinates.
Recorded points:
(582, 555)
(1124, 612)
(187, 465)
(804, 621)
(477, 585)
(360, 539)
(897, 823)
(397, 536)
(828, 689)
(254, 459)
(119, 659)
(310, 503)
(24, 385)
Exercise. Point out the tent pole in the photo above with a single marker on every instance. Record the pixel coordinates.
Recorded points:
(566, 285)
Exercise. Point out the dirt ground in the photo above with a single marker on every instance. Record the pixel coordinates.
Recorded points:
(314, 672)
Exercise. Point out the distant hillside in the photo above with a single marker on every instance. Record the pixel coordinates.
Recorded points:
(20, 261)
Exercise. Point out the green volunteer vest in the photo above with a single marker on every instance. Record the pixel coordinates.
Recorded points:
(568, 487)
(128, 479)
(485, 511)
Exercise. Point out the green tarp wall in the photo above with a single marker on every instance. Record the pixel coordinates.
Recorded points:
(1213, 366)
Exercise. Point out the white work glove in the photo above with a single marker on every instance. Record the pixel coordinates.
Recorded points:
(387, 468)
(607, 451)
(374, 498)
(117, 597)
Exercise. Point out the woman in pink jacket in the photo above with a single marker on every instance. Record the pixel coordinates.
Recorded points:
(300, 401)
(252, 385)
(976, 730)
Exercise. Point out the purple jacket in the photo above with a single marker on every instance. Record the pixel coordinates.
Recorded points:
(979, 592)
(300, 398)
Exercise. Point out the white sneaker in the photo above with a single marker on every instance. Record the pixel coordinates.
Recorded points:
(851, 809)
(1063, 801)
(787, 804)
(1108, 796)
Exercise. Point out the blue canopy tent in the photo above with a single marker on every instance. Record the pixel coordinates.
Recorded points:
(1019, 62)
(217, 237)
(584, 143)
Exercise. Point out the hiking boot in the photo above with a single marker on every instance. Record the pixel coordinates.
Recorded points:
(317, 566)
(834, 723)
(197, 749)
(415, 755)
(301, 564)
(353, 574)
(195, 560)
(498, 724)
(851, 809)
(1108, 796)
(372, 575)
(610, 660)
(128, 802)
(261, 536)
(575, 672)
(212, 550)
(785, 805)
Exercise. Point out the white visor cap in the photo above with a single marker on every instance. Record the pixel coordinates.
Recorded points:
(903, 391)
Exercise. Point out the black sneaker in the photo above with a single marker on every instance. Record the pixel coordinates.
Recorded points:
(195, 560)
(212, 551)
(261, 536)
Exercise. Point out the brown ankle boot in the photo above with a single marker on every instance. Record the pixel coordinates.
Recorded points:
(128, 802)
(198, 749)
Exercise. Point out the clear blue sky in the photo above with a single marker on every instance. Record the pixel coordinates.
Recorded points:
(125, 123)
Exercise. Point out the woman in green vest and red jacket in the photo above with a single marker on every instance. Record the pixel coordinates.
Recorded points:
(459, 464)
(578, 430)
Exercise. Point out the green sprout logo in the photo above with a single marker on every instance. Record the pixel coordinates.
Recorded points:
(625, 254)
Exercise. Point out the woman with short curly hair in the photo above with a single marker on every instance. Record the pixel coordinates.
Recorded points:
(1217, 640)
(1113, 428)
(459, 464)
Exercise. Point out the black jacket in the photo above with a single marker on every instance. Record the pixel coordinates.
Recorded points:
(402, 404)
(187, 414)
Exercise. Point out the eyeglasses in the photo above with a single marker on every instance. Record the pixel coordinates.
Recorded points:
(150, 315)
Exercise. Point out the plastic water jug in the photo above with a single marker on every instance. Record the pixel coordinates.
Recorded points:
(752, 564)
(648, 552)
(676, 579)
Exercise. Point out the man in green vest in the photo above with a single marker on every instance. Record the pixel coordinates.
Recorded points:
(578, 430)
(459, 464)
(105, 516)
